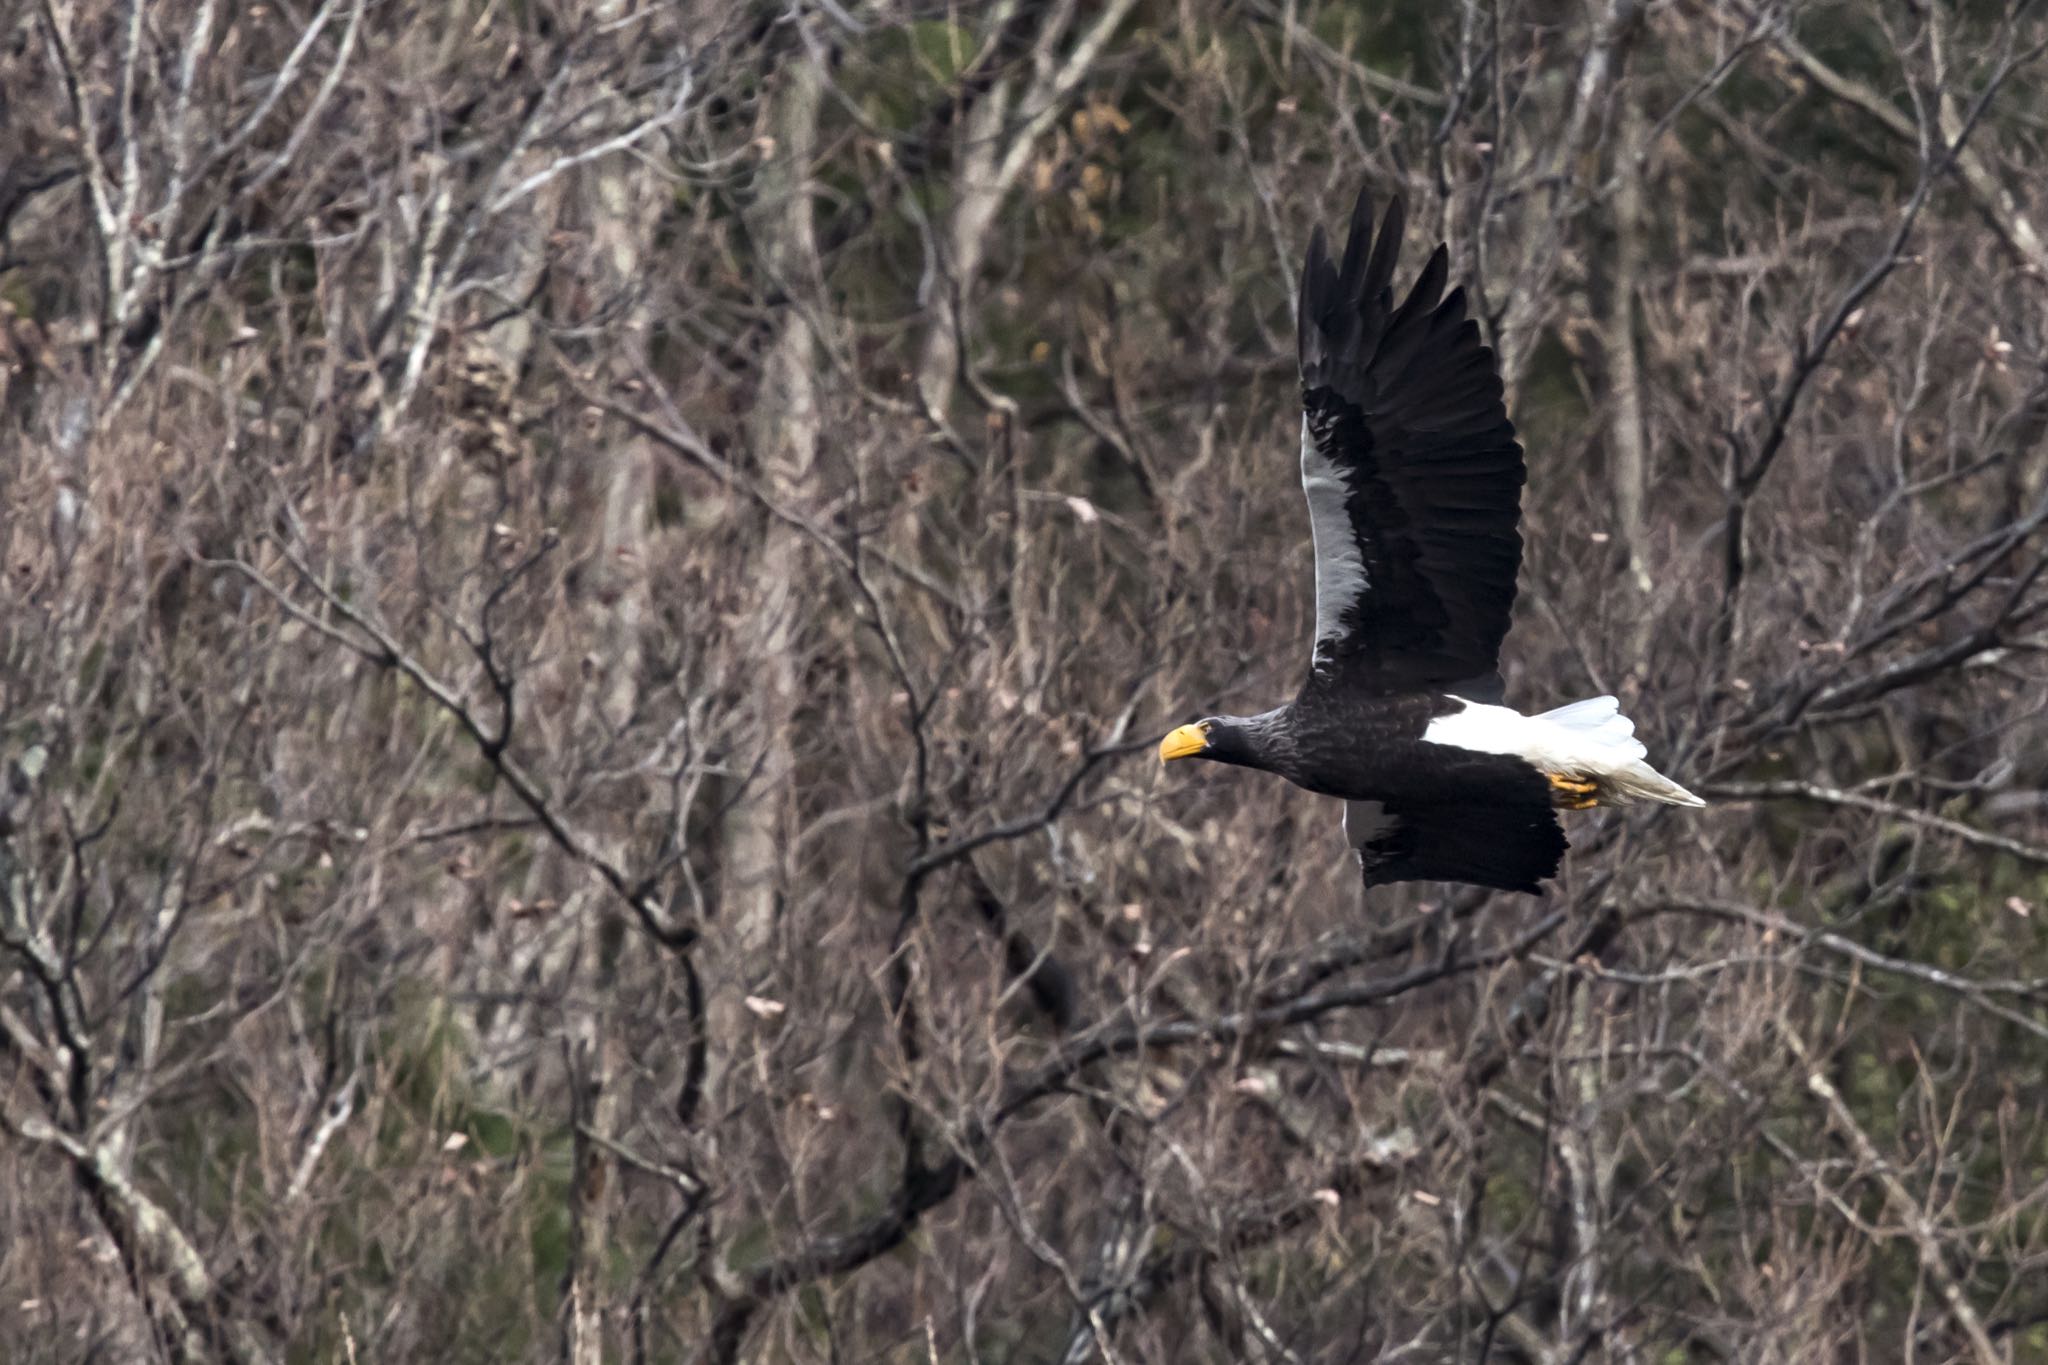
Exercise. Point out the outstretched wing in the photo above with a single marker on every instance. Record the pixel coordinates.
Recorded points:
(1511, 845)
(1413, 475)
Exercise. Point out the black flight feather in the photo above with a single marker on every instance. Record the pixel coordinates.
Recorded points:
(1405, 402)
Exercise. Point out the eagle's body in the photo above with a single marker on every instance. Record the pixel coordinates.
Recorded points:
(1413, 479)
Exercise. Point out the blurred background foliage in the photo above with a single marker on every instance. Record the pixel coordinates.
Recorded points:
(586, 593)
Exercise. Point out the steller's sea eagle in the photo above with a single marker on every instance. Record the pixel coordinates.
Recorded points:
(1414, 483)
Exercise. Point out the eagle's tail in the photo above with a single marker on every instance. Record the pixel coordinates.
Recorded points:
(1611, 758)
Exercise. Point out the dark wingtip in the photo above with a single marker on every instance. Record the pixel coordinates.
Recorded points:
(1379, 276)
(1396, 221)
(1429, 285)
(1361, 211)
(1318, 253)
(1357, 240)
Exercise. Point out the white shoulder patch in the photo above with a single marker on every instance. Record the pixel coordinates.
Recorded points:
(1587, 739)
(1340, 567)
(1487, 730)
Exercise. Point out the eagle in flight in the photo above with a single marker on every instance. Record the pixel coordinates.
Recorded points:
(1414, 483)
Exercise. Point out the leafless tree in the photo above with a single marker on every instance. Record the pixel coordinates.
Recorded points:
(588, 593)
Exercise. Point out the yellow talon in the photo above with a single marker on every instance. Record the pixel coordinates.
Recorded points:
(1573, 793)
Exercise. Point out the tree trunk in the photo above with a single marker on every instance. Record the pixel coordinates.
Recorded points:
(1627, 453)
(783, 431)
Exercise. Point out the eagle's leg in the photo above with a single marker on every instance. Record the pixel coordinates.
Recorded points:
(1572, 793)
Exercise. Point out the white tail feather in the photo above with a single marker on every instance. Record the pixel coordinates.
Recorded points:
(1600, 720)
(1638, 781)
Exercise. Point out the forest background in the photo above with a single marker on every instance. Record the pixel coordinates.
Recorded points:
(587, 591)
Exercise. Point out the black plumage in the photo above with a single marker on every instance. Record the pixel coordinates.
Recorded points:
(1442, 813)
(1407, 401)
(1413, 478)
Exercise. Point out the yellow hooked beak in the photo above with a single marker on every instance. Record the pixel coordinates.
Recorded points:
(1188, 740)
